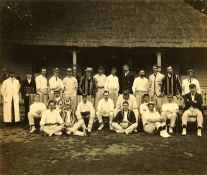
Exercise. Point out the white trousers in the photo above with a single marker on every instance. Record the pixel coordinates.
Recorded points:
(99, 95)
(79, 124)
(151, 127)
(31, 116)
(100, 115)
(48, 129)
(171, 116)
(122, 127)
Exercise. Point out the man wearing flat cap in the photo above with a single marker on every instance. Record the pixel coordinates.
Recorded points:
(56, 84)
(27, 89)
(70, 88)
(87, 84)
(190, 80)
(42, 86)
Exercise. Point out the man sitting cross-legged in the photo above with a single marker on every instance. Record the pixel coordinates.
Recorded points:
(192, 110)
(51, 121)
(36, 110)
(85, 111)
(152, 121)
(71, 125)
(125, 120)
(105, 109)
(170, 111)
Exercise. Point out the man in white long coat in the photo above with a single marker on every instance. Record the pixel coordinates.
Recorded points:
(10, 92)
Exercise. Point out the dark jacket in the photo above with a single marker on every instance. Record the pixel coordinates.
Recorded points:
(120, 116)
(86, 86)
(171, 85)
(126, 82)
(26, 85)
(195, 104)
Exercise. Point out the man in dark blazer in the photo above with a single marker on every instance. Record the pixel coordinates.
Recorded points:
(28, 87)
(127, 79)
(125, 120)
(193, 109)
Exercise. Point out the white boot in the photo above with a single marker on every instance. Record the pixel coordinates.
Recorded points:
(184, 133)
(33, 129)
(199, 134)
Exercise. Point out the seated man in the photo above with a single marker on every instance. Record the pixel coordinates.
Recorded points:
(144, 106)
(170, 111)
(36, 110)
(132, 103)
(51, 121)
(105, 109)
(152, 120)
(192, 110)
(125, 120)
(86, 112)
(71, 125)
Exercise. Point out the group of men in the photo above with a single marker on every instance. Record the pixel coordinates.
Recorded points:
(74, 104)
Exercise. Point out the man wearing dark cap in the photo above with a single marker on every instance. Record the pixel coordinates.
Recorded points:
(42, 86)
(27, 89)
(56, 84)
(190, 80)
(70, 88)
(192, 110)
(10, 92)
(100, 79)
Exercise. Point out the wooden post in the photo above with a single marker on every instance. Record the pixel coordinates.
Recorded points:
(159, 59)
(74, 59)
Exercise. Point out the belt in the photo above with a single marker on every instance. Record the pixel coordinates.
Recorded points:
(100, 87)
(49, 124)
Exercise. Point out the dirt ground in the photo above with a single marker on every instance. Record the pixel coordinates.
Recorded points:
(102, 152)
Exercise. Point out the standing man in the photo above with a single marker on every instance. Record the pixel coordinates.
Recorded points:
(51, 122)
(71, 86)
(105, 109)
(192, 110)
(28, 87)
(56, 84)
(10, 92)
(170, 111)
(42, 86)
(124, 121)
(100, 79)
(190, 80)
(87, 84)
(36, 110)
(86, 112)
(140, 87)
(171, 84)
(112, 85)
(155, 84)
(127, 79)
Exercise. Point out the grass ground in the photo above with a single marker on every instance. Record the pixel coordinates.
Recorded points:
(102, 152)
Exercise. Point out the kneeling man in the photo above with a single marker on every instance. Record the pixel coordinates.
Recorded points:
(170, 111)
(152, 121)
(105, 109)
(125, 120)
(36, 110)
(85, 111)
(192, 110)
(51, 121)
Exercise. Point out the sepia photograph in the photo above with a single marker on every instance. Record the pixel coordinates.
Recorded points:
(103, 87)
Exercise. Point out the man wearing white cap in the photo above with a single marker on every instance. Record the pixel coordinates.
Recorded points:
(87, 84)
(190, 80)
(152, 121)
(140, 87)
(71, 85)
(42, 86)
(56, 84)
(100, 79)
(112, 85)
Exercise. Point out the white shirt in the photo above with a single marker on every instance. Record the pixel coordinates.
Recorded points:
(10, 87)
(149, 115)
(85, 107)
(125, 119)
(56, 83)
(100, 80)
(112, 83)
(140, 84)
(105, 106)
(193, 97)
(155, 83)
(71, 85)
(51, 117)
(131, 100)
(41, 82)
(37, 107)
(186, 83)
(170, 107)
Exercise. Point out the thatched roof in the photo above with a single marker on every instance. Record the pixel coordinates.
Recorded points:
(132, 23)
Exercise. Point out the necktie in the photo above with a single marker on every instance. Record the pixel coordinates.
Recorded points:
(190, 80)
(56, 78)
(155, 84)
